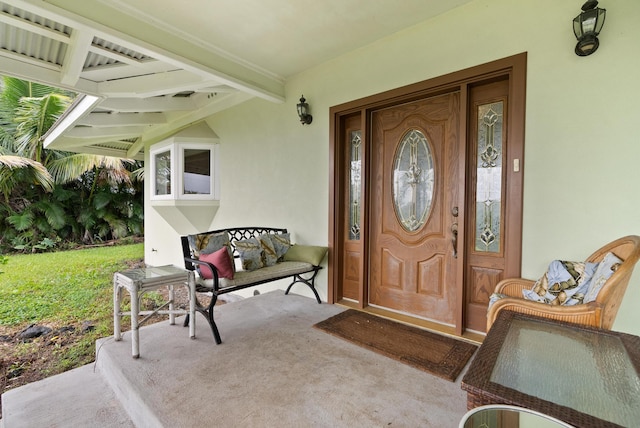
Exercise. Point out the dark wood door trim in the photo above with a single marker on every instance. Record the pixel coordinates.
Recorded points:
(515, 68)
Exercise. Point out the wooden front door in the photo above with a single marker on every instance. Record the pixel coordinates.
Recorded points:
(410, 168)
(414, 199)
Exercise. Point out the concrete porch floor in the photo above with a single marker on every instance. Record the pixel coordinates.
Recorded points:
(272, 370)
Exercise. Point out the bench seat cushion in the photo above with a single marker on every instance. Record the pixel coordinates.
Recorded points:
(279, 270)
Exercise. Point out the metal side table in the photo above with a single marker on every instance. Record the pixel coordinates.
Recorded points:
(139, 281)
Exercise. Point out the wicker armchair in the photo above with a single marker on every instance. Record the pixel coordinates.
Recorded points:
(600, 313)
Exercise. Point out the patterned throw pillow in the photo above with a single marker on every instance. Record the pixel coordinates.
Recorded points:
(281, 242)
(564, 283)
(270, 256)
(221, 260)
(251, 253)
(606, 268)
(209, 243)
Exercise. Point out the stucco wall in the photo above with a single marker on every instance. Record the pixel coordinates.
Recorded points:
(581, 150)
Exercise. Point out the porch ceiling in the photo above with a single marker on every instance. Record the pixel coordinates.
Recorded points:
(149, 68)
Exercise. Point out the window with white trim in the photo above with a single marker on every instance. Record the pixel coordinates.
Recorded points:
(184, 171)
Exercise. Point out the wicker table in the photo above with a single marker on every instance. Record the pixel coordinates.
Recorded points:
(139, 281)
(584, 376)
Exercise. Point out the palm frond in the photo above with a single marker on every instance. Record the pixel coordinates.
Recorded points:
(22, 221)
(53, 212)
(34, 117)
(34, 171)
(138, 174)
(72, 167)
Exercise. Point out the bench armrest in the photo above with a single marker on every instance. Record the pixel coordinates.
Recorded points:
(216, 282)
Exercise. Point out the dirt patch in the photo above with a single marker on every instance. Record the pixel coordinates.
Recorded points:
(25, 360)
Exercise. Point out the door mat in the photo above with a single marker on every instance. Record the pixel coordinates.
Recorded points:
(441, 356)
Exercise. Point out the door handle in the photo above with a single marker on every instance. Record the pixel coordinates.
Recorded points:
(454, 239)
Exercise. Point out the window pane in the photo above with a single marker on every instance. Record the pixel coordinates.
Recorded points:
(197, 172)
(413, 179)
(489, 179)
(355, 170)
(163, 173)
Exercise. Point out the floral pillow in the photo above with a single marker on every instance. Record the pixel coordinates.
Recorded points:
(251, 253)
(606, 268)
(269, 255)
(564, 283)
(209, 243)
(281, 242)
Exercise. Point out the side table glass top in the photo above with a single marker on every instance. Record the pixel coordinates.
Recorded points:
(572, 367)
(150, 273)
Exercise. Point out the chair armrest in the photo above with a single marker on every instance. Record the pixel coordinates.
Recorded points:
(585, 314)
(513, 287)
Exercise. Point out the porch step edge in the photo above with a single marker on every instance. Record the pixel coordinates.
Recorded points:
(77, 398)
(132, 397)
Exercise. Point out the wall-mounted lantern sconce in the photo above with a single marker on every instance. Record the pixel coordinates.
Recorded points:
(303, 112)
(587, 26)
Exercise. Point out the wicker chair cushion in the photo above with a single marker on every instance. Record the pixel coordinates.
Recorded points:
(606, 268)
(564, 283)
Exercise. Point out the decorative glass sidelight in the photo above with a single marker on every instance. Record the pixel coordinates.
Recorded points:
(413, 180)
(355, 184)
(489, 177)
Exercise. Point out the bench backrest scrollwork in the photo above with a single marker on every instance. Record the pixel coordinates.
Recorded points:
(235, 234)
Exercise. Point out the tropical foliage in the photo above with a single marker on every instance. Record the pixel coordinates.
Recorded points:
(52, 198)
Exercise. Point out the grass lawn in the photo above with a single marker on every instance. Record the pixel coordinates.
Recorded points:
(70, 292)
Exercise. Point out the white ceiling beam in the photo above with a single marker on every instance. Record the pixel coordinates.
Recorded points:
(75, 56)
(84, 132)
(16, 21)
(152, 85)
(81, 106)
(143, 105)
(159, 133)
(106, 151)
(22, 59)
(33, 70)
(73, 143)
(117, 56)
(118, 27)
(223, 89)
(104, 120)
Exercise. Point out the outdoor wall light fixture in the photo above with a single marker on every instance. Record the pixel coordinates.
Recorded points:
(587, 26)
(303, 111)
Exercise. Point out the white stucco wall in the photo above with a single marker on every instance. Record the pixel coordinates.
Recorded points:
(581, 151)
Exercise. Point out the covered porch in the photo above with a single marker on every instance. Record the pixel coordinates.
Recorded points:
(273, 369)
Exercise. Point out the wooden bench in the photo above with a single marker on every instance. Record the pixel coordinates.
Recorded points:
(244, 278)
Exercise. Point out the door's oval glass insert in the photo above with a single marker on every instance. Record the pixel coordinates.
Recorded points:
(413, 179)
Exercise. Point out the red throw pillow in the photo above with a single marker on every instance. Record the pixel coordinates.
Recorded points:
(221, 260)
